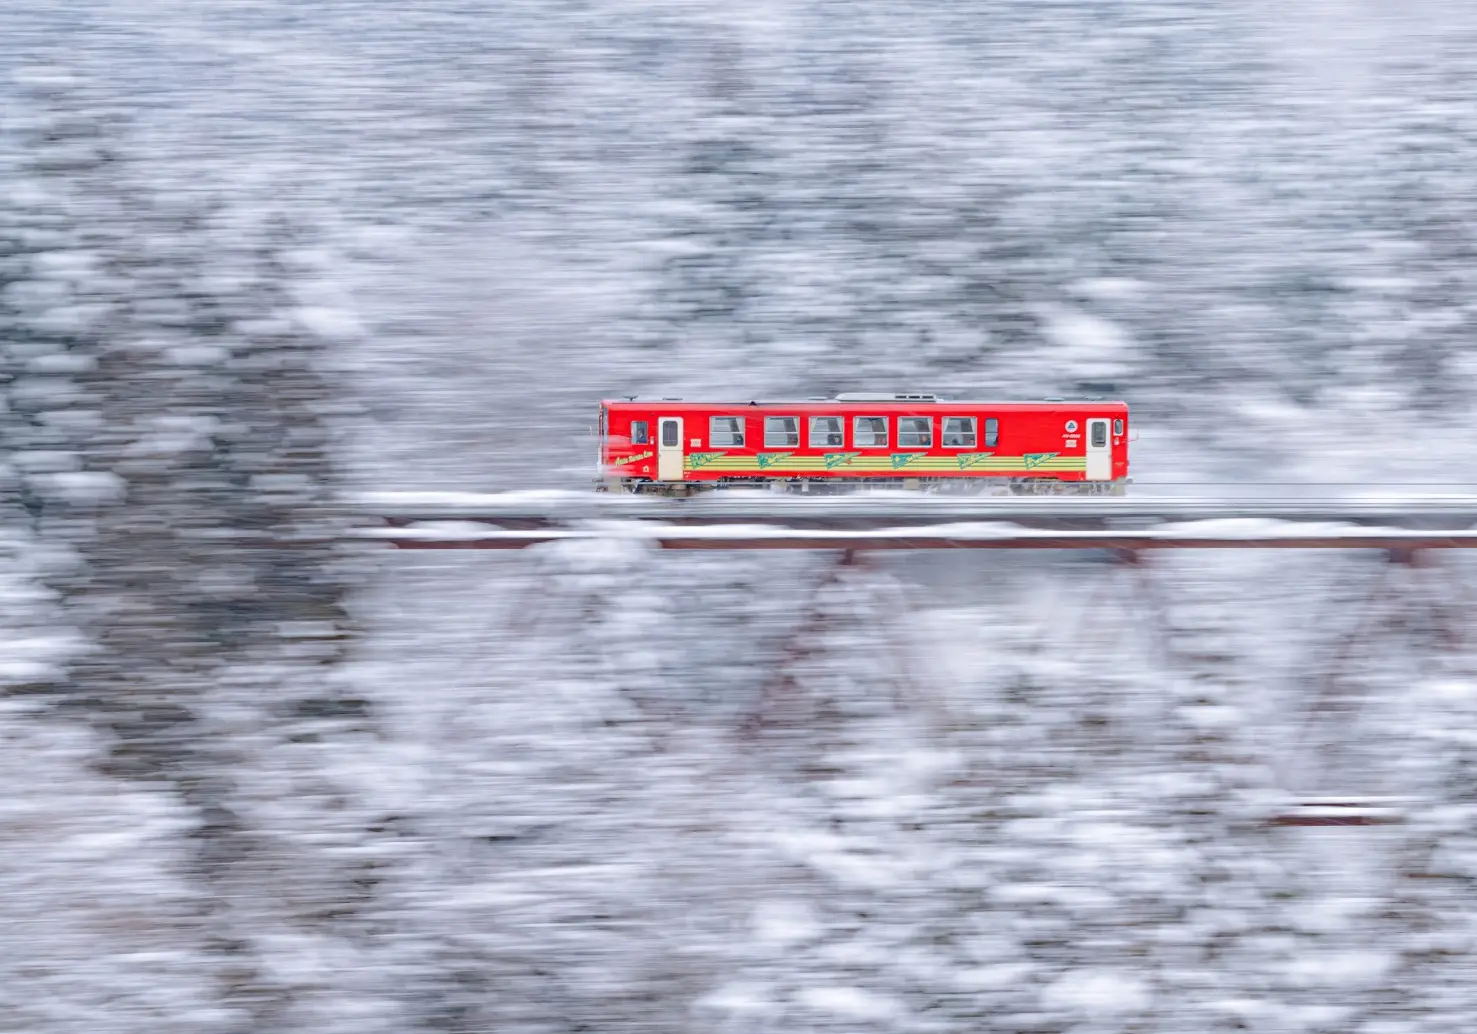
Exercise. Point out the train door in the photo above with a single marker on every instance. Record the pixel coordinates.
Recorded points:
(669, 449)
(1099, 452)
(600, 436)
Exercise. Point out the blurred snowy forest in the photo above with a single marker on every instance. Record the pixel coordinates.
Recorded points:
(258, 253)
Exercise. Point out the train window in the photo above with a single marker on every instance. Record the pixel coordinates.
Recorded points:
(959, 432)
(825, 432)
(640, 435)
(992, 432)
(869, 432)
(1099, 433)
(781, 432)
(1118, 426)
(914, 432)
(726, 431)
(669, 433)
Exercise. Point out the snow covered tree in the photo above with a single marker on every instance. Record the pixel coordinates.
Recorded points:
(718, 228)
(834, 819)
(1421, 924)
(102, 923)
(171, 431)
(562, 866)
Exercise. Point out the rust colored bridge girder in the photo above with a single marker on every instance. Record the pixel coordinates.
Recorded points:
(780, 697)
(1407, 589)
(1407, 543)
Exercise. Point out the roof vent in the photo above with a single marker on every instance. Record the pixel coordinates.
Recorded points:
(869, 396)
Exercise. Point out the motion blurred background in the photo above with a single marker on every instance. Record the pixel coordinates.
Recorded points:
(258, 255)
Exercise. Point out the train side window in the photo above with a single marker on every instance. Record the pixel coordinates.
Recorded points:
(869, 432)
(959, 432)
(640, 434)
(992, 432)
(726, 431)
(825, 432)
(1099, 433)
(781, 432)
(669, 434)
(1118, 426)
(914, 432)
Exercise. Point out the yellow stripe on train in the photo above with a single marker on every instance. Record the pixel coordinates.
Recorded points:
(789, 463)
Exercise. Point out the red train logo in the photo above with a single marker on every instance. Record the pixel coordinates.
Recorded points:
(675, 447)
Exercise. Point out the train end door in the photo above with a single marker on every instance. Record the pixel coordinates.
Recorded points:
(602, 435)
(1099, 450)
(669, 449)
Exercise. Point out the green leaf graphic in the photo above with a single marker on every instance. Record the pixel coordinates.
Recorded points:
(702, 459)
(1035, 459)
(838, 459)
(902, 459)
(769, 459)
(972, 459)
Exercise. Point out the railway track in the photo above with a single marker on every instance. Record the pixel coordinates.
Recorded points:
(521, 519)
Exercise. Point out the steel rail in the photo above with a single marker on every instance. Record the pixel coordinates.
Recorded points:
(1210, 535)
(532, 511)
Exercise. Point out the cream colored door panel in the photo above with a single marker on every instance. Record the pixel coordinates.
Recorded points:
(669, 449)
(1099, 451)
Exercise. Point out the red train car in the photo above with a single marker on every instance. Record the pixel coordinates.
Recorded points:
(676, 447)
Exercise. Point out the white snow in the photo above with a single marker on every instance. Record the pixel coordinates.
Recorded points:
(85, 487)
(785, 923)
(1098, 993)
(599, 787)
(333, 324)
(853, 1003)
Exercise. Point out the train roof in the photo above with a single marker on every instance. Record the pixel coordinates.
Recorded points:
(852, 400)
